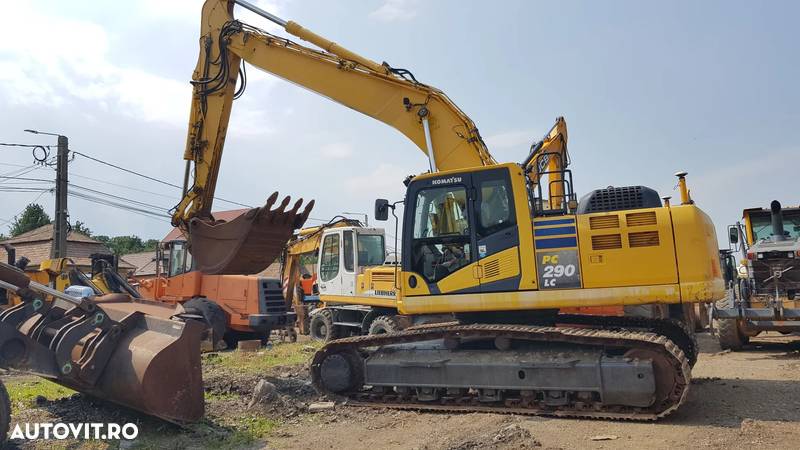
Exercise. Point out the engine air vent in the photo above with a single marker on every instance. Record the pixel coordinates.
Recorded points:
(641, 219)
(600, 222)
(643, 239)
(606, 241)
(383, 277)
(491, 269)
(618, 198)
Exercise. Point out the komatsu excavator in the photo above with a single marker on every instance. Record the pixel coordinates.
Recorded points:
(501, 246)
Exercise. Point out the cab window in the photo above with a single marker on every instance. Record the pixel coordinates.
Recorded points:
(371, 250)
(329, 263)
(762, 224)
(349, 251)
(495, 208)
(441, 238)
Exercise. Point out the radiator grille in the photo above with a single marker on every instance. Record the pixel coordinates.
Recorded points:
(606, 241)
(643, 239)
(272, 293)
(383, 277)
(600, 222)
(641, 219)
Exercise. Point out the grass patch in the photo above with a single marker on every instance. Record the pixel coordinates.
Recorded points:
(241, 432)
(281, 354)
(26, 390)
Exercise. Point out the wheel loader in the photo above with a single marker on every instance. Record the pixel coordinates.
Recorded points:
(765, 293)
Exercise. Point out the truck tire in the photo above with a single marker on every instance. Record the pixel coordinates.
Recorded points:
(321, 327)
(214, 316)
(5, 414)
(385, 324)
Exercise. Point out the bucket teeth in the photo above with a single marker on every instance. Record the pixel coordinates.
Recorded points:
(249, 243)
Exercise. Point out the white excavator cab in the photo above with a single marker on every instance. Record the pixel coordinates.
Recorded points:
(344, 253)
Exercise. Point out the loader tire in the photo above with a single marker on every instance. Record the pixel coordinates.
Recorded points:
(321, 327)
(729, 335)
(385, 324)
(214, 316)
(5, 414)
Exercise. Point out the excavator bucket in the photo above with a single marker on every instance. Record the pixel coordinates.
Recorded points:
(249, 243)
(134, 353)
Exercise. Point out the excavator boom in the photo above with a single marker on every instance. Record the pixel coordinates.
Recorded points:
(393, 96)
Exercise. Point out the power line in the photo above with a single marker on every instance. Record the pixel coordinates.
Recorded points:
(147, 205)
(151, 178)
(123, 186)
(128, 208)
(26, 179)
(6, 144)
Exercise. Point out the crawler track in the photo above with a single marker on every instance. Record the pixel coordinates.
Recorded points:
(674, 361)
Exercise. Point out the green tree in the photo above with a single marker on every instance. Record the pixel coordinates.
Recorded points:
(31, 218)
(122, 245)
(80, 227)
(150, 245)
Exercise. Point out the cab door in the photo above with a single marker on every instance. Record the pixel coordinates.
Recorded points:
(330, 264)
(496, 231)
(440, 248)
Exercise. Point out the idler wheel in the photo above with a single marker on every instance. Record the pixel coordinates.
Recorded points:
(341, 372)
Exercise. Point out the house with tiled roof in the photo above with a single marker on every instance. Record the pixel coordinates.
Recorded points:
(144, 264)
(36, 244)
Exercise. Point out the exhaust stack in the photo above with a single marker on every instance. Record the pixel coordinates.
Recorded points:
(778, 233)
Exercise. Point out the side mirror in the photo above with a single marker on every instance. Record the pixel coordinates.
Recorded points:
(381, 209)
(733, 235)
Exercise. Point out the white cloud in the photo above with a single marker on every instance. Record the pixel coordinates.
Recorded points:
(67, 61)
(385, 181)
(337, 150)
(509, 139)
(395, 10)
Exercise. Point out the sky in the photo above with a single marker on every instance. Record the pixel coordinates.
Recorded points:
(647, 88)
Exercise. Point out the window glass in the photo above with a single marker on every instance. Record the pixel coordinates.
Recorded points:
(349, 251)
(441, 232)
(176, 255)
(495, 210)
(329, 263)
(371, 250)
(762, 224)
(441, 212)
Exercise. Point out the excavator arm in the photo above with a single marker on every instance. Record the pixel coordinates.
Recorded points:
(393, 96)
(548, 160)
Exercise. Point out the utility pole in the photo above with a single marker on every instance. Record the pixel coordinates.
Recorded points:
(61, 224)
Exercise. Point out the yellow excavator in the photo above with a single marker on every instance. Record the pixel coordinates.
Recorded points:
(503, 247)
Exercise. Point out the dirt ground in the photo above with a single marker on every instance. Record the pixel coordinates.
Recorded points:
(737, 400)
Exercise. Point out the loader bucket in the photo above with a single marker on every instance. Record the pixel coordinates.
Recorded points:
(130, 352)
(155, 367)
(247, 244)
